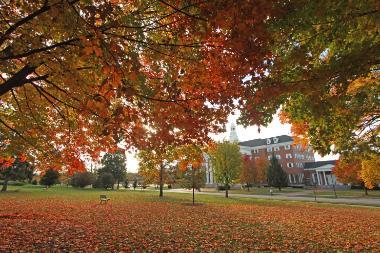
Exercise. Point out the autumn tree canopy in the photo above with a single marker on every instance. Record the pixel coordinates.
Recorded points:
(115, 70)
(324, 74)
(158, 72)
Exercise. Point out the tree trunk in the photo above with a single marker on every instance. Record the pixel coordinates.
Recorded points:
(193, 184)
(5, 185)
(247, 187)
(226, 190)
(118, 182)
(279, 188)
(161, 181)
(366, 191)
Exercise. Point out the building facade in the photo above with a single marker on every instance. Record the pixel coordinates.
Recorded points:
(291, 156)
(320, 173)
(297, 161)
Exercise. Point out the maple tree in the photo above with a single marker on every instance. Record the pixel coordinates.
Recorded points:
(323, 75)
(248, 172)
(261, 165)
(109, 70)
(370, 172)
(348, 171)
(362, 170)
(226, 161)
(154, 165)
(190, 158)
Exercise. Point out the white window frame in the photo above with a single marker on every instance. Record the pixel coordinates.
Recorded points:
(287, 147)
(269, 149)
(289, 156)
(269, 157)
(276, 148)
(268, 141)
(291, 165)
(278, 157)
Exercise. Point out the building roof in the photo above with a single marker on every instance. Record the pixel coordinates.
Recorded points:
(263, 142)
(313, 165)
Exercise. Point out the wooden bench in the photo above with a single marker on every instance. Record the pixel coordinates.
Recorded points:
(104, 198)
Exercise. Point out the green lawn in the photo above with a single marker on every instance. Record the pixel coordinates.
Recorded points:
(355, 193)
(66, 219)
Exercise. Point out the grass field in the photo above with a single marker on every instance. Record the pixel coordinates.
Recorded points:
(67, 219)
(356, 193)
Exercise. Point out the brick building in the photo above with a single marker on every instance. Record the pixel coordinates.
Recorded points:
(292, 157)
(297, 161)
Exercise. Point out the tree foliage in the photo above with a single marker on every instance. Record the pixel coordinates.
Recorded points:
(82, 179)
(155, 166)
(324, 74)
(362, 170)
(371, 171)
(226, 161)
(276, 176)
(114, 163)
(15, 168)
(50, 178)
(261, 165)
(112, 70)
(105, 180)
(248, 172)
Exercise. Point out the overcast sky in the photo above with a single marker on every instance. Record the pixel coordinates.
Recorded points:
(274, 129)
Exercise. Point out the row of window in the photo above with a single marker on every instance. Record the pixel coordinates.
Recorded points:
(275, 148)
(287, 156)
(296, 165)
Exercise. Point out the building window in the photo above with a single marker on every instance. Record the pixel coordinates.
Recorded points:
(255, 151)
(269, 157)
(278, 156)
(268, 141)
(276, 148)
(287, 147)
(269, 149)
(290, 165)
(288, 156)
(275, 140)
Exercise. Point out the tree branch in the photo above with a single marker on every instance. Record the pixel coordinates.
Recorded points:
(17, 80)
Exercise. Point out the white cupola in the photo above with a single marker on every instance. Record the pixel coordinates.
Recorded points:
(233, 134)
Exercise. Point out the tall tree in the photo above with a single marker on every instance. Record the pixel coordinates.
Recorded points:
(248, 172)
(114, 163)
(277, 177)
(227, 163)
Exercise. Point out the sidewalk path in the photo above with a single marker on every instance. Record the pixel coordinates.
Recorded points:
(348, 201)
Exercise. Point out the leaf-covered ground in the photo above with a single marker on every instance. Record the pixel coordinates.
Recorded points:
(136, 221)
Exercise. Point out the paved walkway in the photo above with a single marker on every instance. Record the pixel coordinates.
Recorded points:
(349, 201)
